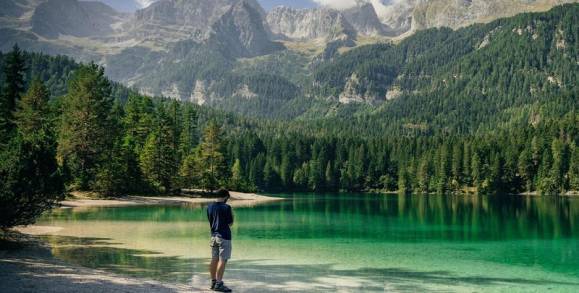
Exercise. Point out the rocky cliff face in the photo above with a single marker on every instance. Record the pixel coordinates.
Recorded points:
(178, 19)
(365, 21)
(398, 16)
(394, 18)
(236, 26)
(240, 32)
(460, 13)
(70, 17)
(326, 23)
(309, 24)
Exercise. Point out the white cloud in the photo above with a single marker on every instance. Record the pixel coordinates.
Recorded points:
(145, 3)
(337, 4)
(384, 8)
(379, 5)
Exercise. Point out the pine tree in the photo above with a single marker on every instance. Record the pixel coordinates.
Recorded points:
(190, 170)
(442, 170)
(495, 175)
(270, 177)
(573, 173)
(456, 168)
(286, 172)
(315, 176)
(189, 136)
(476, 170)
(112, 177)
(113, 174)
(424, 172)
(330, 176)
(403, 180)
(558, 167)
(158, 159)
(300, 178)
(466, 163)
(525, 168)
(86, 138)
(546, 184)
(13, 87)
(32, 116)
(237, 181)
(30, 181)
(212, 160)
(138, 120)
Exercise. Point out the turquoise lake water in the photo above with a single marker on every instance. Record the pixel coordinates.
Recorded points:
(341, 242)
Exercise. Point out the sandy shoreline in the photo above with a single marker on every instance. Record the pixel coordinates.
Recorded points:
(30, 267)
(237, 199)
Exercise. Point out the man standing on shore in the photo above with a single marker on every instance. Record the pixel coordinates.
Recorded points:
(220, 219)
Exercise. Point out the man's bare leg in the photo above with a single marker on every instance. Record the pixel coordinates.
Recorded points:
(213, 268)
(221, 269)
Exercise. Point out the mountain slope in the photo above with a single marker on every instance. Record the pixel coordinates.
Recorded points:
(511, 70)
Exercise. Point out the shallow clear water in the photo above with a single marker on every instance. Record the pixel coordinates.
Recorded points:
(343, 242)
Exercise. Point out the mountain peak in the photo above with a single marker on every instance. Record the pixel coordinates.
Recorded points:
(241, 31)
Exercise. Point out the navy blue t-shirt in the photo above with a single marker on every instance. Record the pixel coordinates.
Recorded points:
(220, 217)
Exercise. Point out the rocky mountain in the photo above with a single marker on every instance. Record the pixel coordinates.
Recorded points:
(240, 32)
(237, 25)
(183, 19)
(365, 20)
(398, 15)
(73, 18)
(229, 51)
(460, 13)
(325, 23)
(309, 24)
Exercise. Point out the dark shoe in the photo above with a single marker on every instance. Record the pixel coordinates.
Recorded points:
(219, 287)
(213, 282)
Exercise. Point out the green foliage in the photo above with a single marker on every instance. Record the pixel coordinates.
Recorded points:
(30, 181)
(86, 135)
(159, 157)
(13, 87)
(212, 161)
(32, 115)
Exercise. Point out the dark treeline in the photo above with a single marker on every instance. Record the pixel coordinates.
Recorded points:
(542, 158)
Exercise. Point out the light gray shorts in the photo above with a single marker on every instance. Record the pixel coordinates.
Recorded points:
(220, 248)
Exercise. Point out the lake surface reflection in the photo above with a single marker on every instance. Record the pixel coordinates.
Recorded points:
(344, 242)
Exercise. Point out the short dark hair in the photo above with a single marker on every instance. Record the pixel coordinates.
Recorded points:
(222, 193)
